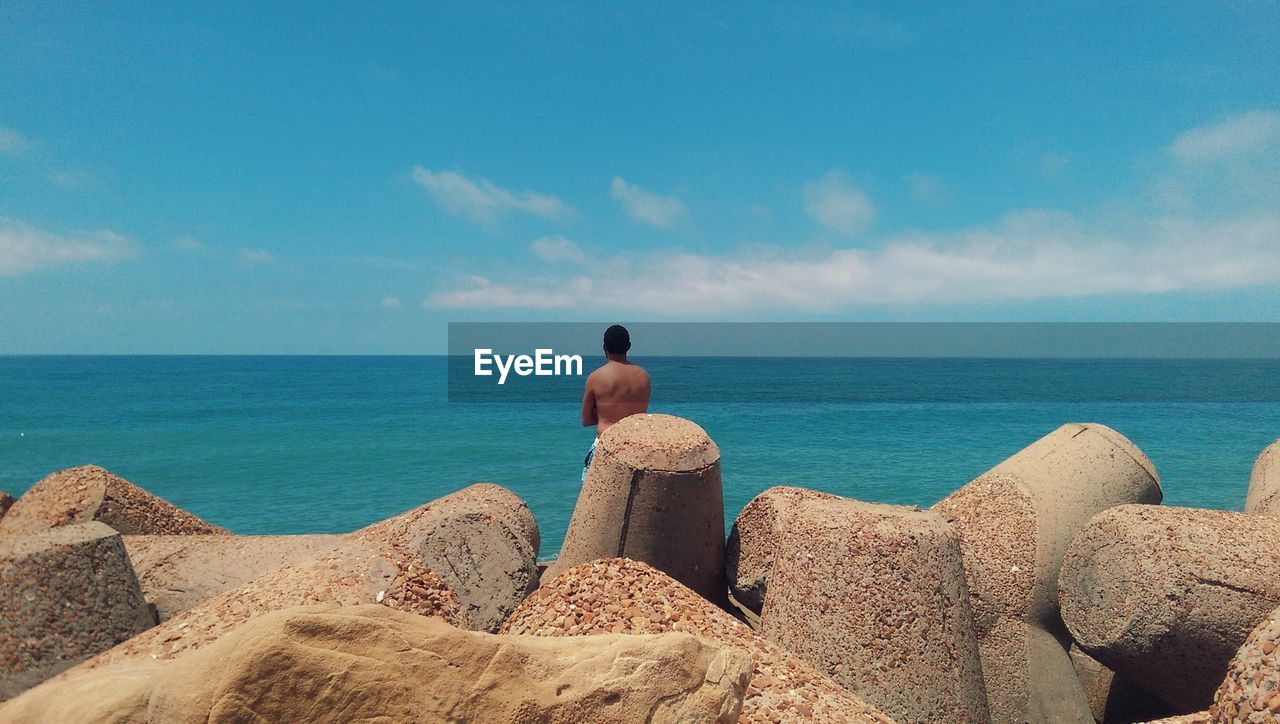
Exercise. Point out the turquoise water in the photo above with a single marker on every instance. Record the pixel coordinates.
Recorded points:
(329, 444)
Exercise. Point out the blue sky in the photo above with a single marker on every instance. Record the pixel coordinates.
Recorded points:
(330, 178)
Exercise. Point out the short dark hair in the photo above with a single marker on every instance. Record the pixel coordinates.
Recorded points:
(617, 340)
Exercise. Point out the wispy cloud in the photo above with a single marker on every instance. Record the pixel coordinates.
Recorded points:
(13, 143)
(390, 302)
(1233, 136)
(646, 207)
(557, 248)
(836, 204)
(25, 248)
(482, 201)
(254, 257)
(187, 243)
(928, 190)
(484, 294)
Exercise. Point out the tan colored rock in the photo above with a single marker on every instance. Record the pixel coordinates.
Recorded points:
(79, 495)
(65, 594)
(1199, 717)
(1015, 522)
(1264, 483)
(367, 574)
(1165, 596)
(179, 572)
(482, 541)
(748, 555)
(1112, 698)
(629, 597)
(6, 502)
(1250, 692)
(875, 597)
(326, 664)
(652, 494)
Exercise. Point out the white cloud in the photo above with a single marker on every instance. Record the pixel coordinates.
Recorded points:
(1234, 136)
(390, 302)
(928, 190)
(1025, 256)
(837, 205)
(187, 243)
(254, 257)
(644, 206)
(557, 248)
(24, 248)
(483, 201)
(12, 142)
(484, 294)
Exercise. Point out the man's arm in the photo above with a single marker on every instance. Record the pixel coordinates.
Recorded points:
(589, 406)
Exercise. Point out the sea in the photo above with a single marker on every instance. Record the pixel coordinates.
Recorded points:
(296, 444)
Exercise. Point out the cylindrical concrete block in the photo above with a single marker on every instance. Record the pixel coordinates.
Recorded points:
(179, 572)
(1264, 484)
(653, 494)
(1251, 690)
(363, 573)
(875, 597)
(1113, 698)
(65, 595)
(748, 555)
(79, 495)
(629, 597)
(1014, 522)
(482, 541)
(1165, 596)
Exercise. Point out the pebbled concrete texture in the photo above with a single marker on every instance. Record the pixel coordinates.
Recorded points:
(1015, 522)
(366, 663)
(875, 597)
(653, 494)
(1250, 691)
(482, 541)
(179, 572)
(79, 495)
(1264, 483)
(1165, 596)
(753, 540)
(622, 596)
(65, 594)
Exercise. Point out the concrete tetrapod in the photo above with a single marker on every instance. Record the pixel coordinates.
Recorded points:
(753, 540)
(65, 594)
(6, 502)
(79, 495)
(1251, 690)
(1165, 596)
(482, 541)
(1112, 698)
(366, 663)
(1014, 523)
(653, 494)
(628, 597)
(875, 597)
(1264, 483)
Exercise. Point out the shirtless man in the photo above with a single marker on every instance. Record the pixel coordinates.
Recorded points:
(616, 389)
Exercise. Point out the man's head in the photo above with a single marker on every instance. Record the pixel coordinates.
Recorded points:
(617, 340)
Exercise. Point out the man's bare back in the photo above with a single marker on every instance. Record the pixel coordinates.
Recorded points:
(617, 389)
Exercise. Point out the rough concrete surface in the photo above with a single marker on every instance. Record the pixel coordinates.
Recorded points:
(1165, 596)
(1250, 692)
(79, 495)
(1264, 483)
(482, 541)
(6, 502)
(1015, 522)
(875, 597)
(629, 597)
(325, 664)
(753, 539)
(653, 494)
(179, 572)
(1113, 699)
(65, 594)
